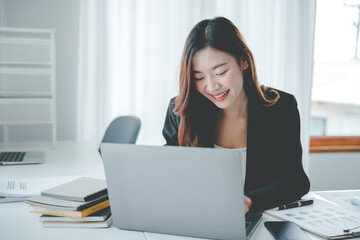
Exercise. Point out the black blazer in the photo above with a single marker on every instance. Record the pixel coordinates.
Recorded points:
(274, 171)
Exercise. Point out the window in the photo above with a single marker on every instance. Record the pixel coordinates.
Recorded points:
(335, 109)
(318, 126)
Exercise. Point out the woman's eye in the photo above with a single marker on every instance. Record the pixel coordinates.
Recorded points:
(222, 73)
(197, 79)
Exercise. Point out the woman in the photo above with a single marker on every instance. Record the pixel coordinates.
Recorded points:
(221, 104)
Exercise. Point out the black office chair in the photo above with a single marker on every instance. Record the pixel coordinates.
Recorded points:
(123, 129)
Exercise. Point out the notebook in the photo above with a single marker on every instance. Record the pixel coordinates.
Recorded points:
(69, 213)
(16, 158)
(195, 192)
(98, 216)
(81, 189)
(80, 224)
(49, 202)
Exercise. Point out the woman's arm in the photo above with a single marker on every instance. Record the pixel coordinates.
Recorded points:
(170, 130)
(290, 182)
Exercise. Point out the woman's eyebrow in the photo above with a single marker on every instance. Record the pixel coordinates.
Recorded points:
(218, 65)
(215, 67)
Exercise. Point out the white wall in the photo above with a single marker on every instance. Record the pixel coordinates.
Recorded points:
(63, 16)
(2, 12)
(334, 171)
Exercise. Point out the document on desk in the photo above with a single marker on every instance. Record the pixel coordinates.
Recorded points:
(341, 198)
(17, 189)
(322, 218)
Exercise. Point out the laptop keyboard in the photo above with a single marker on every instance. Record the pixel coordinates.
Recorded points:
(12, 156)
(252, 220)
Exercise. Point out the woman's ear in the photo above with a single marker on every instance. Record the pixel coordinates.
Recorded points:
(244, 65)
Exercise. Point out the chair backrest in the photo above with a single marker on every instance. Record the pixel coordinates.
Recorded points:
(123, 129)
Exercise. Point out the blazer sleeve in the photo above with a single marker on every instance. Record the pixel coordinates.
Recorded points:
(171, 125)
(289, 181)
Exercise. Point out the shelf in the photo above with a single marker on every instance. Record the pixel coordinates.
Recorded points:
(27, 80)
(25, 95)
(7, 31)
(30, 64)
(24, 41)
(31, 53)
(25, 122)
(25, 100)
(22, 70)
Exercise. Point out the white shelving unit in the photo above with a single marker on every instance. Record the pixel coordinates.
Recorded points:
(27, 78)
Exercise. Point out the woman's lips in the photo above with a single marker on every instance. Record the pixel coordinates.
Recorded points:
(221, 96)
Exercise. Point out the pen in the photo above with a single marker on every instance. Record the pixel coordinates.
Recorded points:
(295, 204)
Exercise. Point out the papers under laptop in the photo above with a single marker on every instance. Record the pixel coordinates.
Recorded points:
(21, 157)
(195, 192)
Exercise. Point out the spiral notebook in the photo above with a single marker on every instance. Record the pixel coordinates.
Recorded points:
(98, 216)
(82, 189)
(49, 202)
(69, 213)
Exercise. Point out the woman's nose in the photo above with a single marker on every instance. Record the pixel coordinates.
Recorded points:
(212, 85)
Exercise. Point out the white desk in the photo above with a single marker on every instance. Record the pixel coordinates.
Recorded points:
(69, 159)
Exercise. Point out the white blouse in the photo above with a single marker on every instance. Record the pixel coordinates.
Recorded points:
(243, 159)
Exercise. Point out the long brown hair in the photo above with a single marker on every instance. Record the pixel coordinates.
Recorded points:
(197, 114)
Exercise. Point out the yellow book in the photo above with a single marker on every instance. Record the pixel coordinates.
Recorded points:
(67, 213)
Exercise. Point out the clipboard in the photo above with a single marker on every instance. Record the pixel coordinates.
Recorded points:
(321, 218)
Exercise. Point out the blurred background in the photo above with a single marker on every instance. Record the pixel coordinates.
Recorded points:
(120, 57)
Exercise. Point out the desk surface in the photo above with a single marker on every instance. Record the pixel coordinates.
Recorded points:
(72, 159)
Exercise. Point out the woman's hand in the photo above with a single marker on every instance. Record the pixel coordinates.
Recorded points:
(248, 204)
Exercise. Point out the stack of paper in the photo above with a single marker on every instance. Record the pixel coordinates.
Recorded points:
(80, 203)
(18, 189)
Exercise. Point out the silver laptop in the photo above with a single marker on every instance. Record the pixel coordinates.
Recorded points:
(19, 157)
(195, 192)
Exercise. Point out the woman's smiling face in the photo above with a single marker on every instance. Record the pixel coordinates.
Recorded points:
(219, 77)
